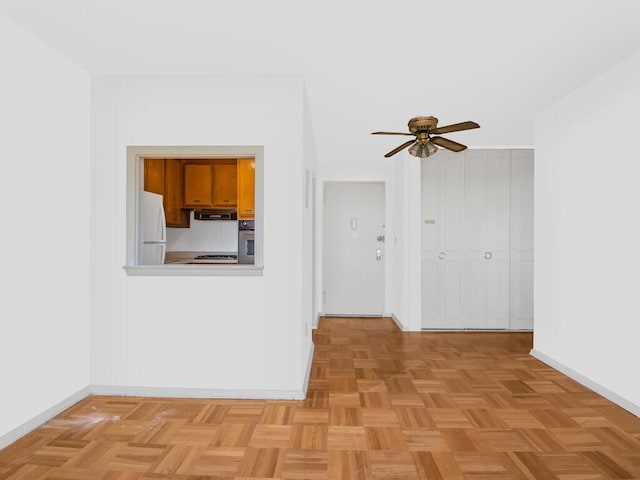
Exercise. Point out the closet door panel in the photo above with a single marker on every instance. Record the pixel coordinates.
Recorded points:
(522, 170)
(498, 221)
(476, 294)
(452, 293)
(497, 293)
(432, 287)
(452, 254)
(476, 179)
(452, 211)
(476, 202)
(498, 201)
(443, 243)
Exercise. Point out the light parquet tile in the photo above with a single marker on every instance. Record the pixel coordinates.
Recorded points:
(381, 404)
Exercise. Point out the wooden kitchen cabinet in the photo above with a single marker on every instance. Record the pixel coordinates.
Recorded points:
(198, 184)
(174, 194)
(164, 177)
(246, 188)
(225, 188)
(210, 183)
(154, 178)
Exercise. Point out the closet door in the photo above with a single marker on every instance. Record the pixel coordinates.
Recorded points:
(443, 249)
(487, 210)
(522, 239)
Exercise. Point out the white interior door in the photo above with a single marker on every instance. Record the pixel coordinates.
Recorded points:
(353, 248)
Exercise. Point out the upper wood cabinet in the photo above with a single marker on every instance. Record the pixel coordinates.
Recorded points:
(210, 183)
(164, 177)
(225, 188)
(246, 188)
(198, 183)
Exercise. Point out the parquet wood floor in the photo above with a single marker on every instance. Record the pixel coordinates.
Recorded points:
(381, 404)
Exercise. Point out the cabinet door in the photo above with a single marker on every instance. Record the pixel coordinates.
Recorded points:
(246, 188)
(225, 183)
(174, 194)
(198, 184)
(154, 178)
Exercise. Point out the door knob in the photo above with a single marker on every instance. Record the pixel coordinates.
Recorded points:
(442, 256)
(378, 254)
(488, 256)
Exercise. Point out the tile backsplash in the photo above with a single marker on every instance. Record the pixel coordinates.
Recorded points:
(204, 235)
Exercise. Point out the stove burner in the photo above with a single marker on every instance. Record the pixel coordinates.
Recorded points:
(216, 257)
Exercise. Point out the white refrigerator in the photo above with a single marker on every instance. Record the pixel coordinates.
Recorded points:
(154, 229)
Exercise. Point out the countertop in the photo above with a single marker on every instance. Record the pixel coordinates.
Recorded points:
(183, 258)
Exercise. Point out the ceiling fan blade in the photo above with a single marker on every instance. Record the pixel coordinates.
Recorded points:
(397, 149)
(391, 133)
(455, 127)
(448, 144)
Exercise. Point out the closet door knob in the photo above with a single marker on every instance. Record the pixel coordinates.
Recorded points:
(488, 256)
(442, 256)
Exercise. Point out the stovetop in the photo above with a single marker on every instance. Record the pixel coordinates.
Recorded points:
(216, 258)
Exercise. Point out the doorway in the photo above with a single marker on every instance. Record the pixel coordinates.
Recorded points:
(353, 265)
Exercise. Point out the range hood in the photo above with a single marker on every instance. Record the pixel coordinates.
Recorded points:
(215, 214)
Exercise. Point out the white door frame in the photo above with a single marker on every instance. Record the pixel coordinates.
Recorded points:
(321, 196)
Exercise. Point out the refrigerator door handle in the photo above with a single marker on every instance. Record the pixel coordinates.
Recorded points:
(163, 224)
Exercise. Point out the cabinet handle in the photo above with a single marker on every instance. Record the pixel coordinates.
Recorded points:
(442, 256)
(488, 256)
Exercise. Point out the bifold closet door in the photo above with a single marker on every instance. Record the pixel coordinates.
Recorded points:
(487, 222)
(443, 249)
(466, 240)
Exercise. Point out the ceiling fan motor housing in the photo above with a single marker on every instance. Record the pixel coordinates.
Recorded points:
(418, 124)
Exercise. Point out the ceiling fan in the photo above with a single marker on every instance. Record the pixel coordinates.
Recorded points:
(424, 145)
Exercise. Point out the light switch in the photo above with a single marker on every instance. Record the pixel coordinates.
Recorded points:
(354, 223)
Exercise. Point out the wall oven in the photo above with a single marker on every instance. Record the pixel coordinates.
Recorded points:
(246, 230)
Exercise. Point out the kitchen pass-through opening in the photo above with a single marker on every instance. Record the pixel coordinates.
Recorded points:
(194, 210)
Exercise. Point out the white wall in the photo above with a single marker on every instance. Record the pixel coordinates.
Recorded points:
(220, 333)
(404, 242)
(587, 315)
(44, 193)
(308, 207)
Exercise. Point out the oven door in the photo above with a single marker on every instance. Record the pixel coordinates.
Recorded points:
(245, 247)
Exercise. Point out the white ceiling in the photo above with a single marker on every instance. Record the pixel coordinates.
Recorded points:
(368, 65)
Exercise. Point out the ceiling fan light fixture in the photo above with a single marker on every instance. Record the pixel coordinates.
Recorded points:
(422, 151)
(424, 145)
